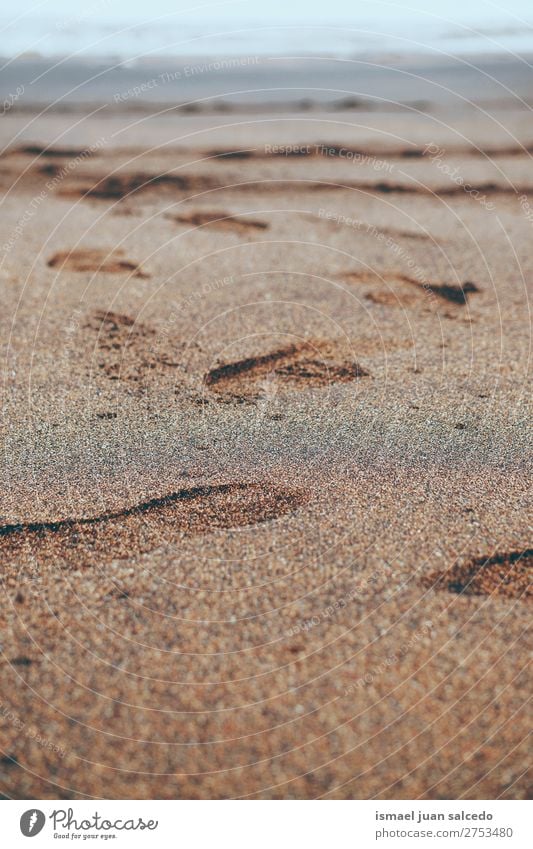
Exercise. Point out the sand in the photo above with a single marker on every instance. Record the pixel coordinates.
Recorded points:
(266, 480)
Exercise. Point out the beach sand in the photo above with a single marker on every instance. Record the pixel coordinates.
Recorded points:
(265, 502)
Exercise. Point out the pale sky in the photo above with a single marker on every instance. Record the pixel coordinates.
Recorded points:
(132, 28)
(479, 11)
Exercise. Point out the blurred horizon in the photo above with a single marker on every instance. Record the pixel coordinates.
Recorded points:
(137, 30)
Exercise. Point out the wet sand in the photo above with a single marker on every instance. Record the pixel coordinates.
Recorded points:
(266, 485)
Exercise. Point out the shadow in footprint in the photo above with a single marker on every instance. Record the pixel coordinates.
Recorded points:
(399, 295)
(232, 154)
(507, 575)
(55, 152)
(219, 221)
(455, 294)
(149, 524)
(300, 365)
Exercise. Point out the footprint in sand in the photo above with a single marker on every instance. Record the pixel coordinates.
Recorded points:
(219, 221)
(307, 364)
(406, 291)
(107, 262)
(119, 186)
(55, 152)
(232, 154)
(145, 526)
(128, 349)
(507, 575)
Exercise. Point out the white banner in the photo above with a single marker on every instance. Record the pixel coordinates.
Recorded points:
(268, 825)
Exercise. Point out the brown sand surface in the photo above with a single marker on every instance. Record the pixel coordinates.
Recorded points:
(265, 491)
